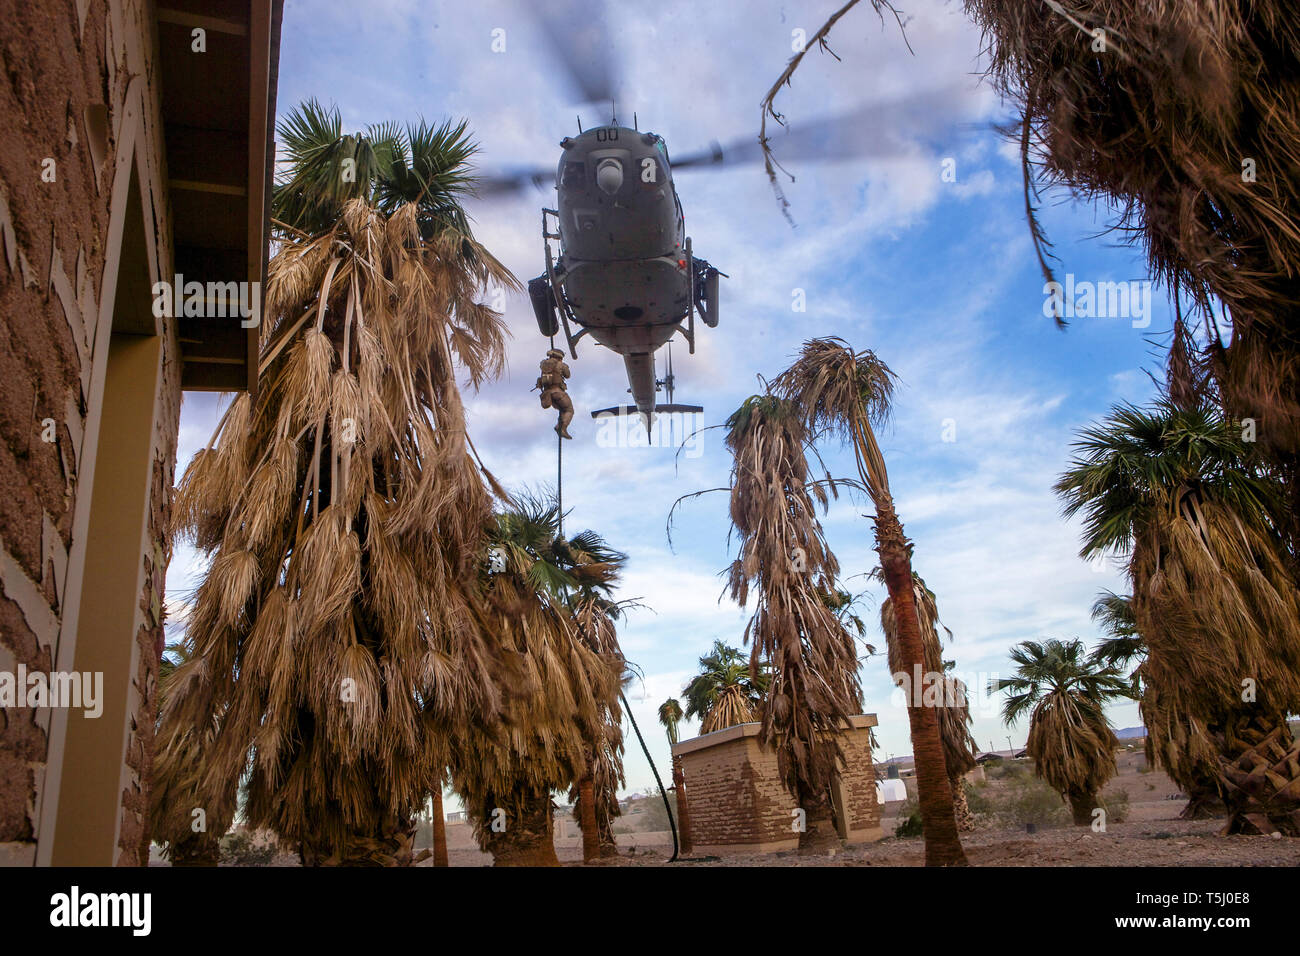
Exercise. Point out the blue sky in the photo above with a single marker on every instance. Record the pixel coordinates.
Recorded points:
(937, 277)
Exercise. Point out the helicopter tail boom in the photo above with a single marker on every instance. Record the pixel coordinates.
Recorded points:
(641, 377)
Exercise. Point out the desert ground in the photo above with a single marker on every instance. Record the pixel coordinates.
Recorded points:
(1021, 823)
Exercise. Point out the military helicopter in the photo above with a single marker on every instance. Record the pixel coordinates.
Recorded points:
(624, 271)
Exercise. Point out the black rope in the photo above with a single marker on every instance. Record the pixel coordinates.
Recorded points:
(653, 769)
(559, 472)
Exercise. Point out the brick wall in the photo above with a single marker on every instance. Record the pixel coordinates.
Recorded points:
(70, 70)
(736, 800)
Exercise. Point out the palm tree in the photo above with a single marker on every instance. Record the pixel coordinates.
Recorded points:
(564, 696)
(1138, 127)
(797, 626)
(847, 393)
(595, 568)
(1070, 740)
(954, 712)
(1175, 741)
(670, 715)
(439, 820)
(187, 839)
(335, 633)
(725, 692)
(1177, 491)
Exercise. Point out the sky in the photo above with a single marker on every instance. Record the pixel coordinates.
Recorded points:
(916, 248)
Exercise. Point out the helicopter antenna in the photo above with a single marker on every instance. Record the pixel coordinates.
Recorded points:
(613, 114)
(634, 124)
(668, 379)
(579, 125)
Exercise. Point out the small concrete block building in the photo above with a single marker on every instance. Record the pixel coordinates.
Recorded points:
(737, 804)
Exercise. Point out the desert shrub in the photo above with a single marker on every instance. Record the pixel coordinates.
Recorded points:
(979, 801)
(1028, 800)
(1116, 805)
(242, 848)
(1009, 770)
(652, 819)
(909, 818)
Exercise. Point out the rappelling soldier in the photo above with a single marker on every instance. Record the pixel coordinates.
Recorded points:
(551, 384)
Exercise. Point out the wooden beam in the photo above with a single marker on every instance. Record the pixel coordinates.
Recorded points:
(197, 187)
(260, 95)
(182, 19)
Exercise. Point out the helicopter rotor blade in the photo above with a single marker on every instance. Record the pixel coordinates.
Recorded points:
(578, 34)
(500, 184)
(875, 130)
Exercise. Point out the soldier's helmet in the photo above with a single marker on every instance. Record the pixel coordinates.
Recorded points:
(554, 353)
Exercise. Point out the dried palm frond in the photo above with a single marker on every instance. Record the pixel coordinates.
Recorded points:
(338, 627)
(549, 614)
(783, 553)
(1070, 740)
(1182, 114)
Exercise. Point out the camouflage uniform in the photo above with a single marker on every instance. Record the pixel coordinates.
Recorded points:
(551, 385)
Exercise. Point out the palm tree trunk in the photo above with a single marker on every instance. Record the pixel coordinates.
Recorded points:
(394, 846)
(587, 819)
(1081, 807)
(608, 843)
(942, 844)
(204, 849)
(961, 806)
(1259, 761)
(528, 838)
(818, 836)
(683, 813)
(439, 831)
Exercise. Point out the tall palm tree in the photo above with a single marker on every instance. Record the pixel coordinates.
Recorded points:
(1146, 124)
(564, 690)
(1175, 741)
(796, 627)
(1070, 740)
(187, 839)
(670, 715)
(848, 393)
(595, 568)
(954, 712)
(335, 633)
(1177, 492)
(439, 820)
(725, 692)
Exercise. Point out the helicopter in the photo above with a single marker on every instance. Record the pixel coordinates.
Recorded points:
(626, 273)
(619, 265)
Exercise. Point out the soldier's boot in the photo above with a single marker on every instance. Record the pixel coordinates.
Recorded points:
(566, 416)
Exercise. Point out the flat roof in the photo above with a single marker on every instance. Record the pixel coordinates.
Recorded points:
(750, 729)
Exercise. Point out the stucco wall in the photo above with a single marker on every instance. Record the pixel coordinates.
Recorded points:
(737, 803)
(78, 85)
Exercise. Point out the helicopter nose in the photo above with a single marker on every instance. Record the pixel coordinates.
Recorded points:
(609, 175)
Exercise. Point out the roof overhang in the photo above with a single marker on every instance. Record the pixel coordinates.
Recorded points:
(218, 110)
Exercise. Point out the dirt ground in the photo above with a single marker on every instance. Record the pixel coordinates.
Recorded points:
(1152, 834)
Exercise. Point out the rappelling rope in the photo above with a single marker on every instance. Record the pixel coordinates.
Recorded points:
(655, 770)
(559, 475)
